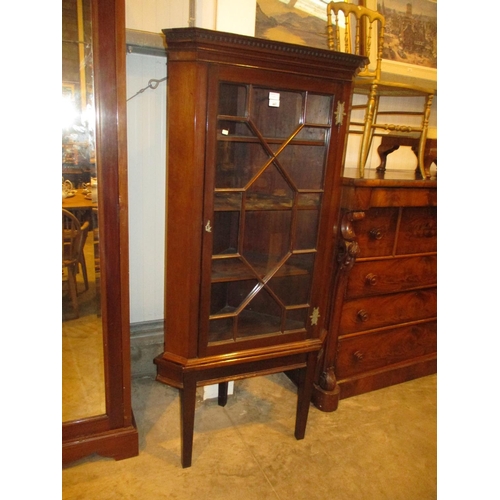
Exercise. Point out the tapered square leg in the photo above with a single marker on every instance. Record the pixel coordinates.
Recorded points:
(188, 405)
(222, 399)
(304, 394)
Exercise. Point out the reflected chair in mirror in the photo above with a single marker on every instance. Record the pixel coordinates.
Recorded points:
(82, 264)
(379, 108)
(73, 241)
(97, 258)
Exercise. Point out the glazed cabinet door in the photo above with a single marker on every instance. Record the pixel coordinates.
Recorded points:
(266, 207)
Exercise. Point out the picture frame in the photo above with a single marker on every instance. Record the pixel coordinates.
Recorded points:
(296, 23)
(300, 22)
(397, 70)
(68, 90)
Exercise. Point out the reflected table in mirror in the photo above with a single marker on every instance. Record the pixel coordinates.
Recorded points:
(79, 200)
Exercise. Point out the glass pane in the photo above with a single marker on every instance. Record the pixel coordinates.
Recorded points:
(291, 290)
(266, 239)
(261, 316)
(309, 200)
(229, 129)
(225, 232)
(312, 134)
(300, 263)
(296, 319)
(232, 99)
(269, 191)
(307, 229)
(304, 164)
(220, 329)
(318, 109)
(227, 297)
(237, 163)
(276, 113)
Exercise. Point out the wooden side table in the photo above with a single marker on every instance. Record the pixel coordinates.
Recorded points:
(391, 143)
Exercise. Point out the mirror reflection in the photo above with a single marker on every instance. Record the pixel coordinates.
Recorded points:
(82, 341)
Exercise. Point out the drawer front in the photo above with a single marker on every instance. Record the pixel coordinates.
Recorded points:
(376, 232)
(417, 230)
(370, 351)
(385, 310)
(391, 275)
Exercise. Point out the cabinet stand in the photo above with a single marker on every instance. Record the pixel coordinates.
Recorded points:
(206, 372)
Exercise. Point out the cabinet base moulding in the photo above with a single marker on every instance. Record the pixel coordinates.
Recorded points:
(387, 376)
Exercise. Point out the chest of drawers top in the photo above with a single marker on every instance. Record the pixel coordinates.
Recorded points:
(397, 188)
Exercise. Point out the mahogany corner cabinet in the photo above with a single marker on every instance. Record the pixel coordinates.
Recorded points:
(256, 133)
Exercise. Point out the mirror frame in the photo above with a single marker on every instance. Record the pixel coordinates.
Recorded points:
(113, 434)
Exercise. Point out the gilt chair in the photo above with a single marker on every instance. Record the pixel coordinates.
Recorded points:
(73, 241)
(358, 30)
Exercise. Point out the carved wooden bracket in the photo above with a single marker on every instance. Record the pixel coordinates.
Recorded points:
(327, 380)
(348, 246)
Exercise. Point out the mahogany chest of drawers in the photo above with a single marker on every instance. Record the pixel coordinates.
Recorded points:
(384, 303)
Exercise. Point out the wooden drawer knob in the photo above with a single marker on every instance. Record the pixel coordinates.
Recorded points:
(376, 233)
(371, 279)
(358, 356)
(362, 315)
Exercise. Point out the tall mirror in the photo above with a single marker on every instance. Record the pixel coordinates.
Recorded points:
(96, 407)
(83, 356)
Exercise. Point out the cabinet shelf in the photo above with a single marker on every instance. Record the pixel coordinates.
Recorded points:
(270, 140)
(250, 324)
(233, 201)
(233, 268)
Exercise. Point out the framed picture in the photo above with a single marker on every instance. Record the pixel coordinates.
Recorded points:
(410, 41)
(294, 21)
(68, 91)
(410, 37)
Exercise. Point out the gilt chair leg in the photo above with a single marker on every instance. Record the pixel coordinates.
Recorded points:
(423, 138)
(366, 140)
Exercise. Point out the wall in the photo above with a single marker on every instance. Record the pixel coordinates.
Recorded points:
(222, 15)
(146, 171)
(147, 137)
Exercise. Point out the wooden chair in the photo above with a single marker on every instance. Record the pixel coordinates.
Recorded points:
(97, 258)
(73, 241)
(363, 35)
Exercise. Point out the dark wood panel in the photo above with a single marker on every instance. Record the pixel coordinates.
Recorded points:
(377, 277)
(417, 230)
(384, 310)
(369, 351)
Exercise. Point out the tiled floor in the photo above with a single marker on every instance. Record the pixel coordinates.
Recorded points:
(380, 445)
